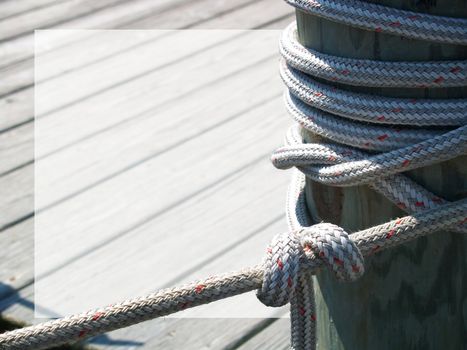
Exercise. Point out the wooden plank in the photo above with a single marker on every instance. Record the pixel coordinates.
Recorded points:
(405, 291)
(19, 76)
(237, 80)
(195, 15)
(241, 16)
(144, 99)
(124, 16)
(10, 8)
(234, 257)
(20, 178)
(22, 48)
(258, 13)
(192, 334)
(17, 199)
(19, 237)
(170, 333)
(16, 64)
(207, 335)
(17, 261)
(18, 306)
(16, 148)
(280, 22)
(276, 336)
(217, 334)
(160, 128)
(198, 333)
(152, 241)
(173, 183)
(54, 14)
(17, 109)
(130, 67)
(115, 64)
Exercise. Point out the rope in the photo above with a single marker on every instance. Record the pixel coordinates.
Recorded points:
(168, 301)
(371, 140)
(371, 73)
(378, 18)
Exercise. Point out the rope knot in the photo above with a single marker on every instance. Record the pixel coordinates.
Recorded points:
(333, 246)
(326, 242)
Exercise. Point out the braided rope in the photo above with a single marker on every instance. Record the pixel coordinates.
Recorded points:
(358, 125)
(167, 301)
(382, 19)
(365, 149)
(375, 109)
(363, 72)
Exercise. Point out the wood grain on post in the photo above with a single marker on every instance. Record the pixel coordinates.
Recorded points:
(414, 296)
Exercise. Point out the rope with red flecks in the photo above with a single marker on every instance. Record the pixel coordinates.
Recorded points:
(365, 148)
(314, 250)
(368, 139)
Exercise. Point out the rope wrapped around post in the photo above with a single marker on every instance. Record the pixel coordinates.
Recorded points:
(370, 140)
(366, 138)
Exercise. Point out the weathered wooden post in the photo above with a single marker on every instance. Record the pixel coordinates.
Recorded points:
(414, 296)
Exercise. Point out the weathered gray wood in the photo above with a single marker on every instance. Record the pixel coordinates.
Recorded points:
(252, 13)
(108, 17)
(280, 22)
(412, 297)
(171, 333)
(17, 275)
(16, 148)
(17, 259)
(18, 106)
(10, 8)
(144, 101)
(54, 14)
(17, 200)
(180, 331)
(274, 336)
(196, 15)
(177, 176)
(18, 74)
(166, 333)
(17, 109)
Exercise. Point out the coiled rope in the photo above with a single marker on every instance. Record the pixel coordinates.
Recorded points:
(366, 148)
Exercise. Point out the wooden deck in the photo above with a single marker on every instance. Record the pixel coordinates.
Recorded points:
(233, 182)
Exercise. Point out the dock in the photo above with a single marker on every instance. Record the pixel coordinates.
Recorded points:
(212, 178)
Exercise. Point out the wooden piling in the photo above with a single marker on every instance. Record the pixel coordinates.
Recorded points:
(412, 297)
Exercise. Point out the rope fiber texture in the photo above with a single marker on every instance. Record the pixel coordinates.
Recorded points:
(369, 139)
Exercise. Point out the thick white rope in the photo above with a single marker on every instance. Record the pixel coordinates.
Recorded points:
(382, 19)
(364, 72)
(372, 140)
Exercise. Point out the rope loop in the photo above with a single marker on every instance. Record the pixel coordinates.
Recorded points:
(284, 260)
(281, 267)
(335, 248)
